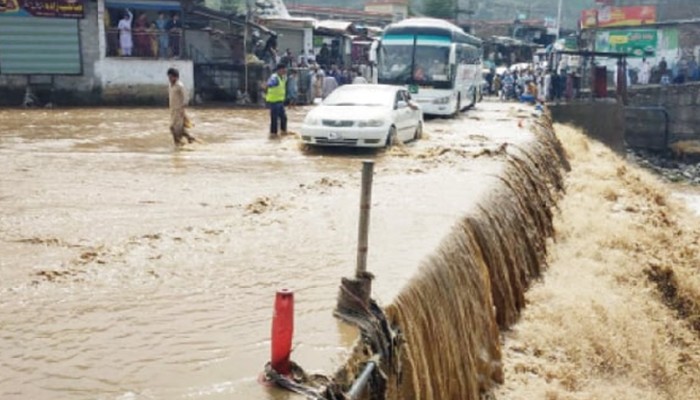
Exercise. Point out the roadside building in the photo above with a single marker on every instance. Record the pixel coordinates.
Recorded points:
(293, 33)
(76, 55)
(398, 9)
(364, 17)
(648, 36)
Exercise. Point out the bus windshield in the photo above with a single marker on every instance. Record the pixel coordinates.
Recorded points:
(415, 63)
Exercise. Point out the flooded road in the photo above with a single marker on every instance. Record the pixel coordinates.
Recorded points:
(132, 271)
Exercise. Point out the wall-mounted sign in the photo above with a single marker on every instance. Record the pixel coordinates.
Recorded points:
(42, 8)
(634, 42)
(618, 16)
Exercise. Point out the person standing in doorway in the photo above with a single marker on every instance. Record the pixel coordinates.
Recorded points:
(324, 56)
(163, 40)
(175, 30)
(275, 98)
(663, 67)
(153, 40)
(141, 40)
(177, 96)
(644, 72)
(125, 40)
(292, 88)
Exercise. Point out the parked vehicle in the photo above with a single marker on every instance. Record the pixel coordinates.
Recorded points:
(364, 116)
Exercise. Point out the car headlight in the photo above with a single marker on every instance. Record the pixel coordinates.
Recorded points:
(371, 123)
(312, 121)
(442, 100)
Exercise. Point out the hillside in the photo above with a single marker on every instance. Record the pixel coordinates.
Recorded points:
(485, 9)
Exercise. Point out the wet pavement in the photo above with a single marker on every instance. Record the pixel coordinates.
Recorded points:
(129, 270)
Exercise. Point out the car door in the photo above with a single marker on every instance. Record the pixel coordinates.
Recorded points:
(403, 116)
(416, 113)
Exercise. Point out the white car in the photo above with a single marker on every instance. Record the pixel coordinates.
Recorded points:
(364, 116)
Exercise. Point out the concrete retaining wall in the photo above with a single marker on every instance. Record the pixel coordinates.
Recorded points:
(602, 120)
(683, 105)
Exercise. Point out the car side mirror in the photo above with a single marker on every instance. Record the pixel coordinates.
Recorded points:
(318, 101)
(401, 104)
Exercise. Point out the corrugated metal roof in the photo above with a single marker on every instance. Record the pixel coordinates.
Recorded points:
(333, 25)
(30, 45)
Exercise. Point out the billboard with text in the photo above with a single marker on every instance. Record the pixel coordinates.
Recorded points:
(42, 8)
(618, 16)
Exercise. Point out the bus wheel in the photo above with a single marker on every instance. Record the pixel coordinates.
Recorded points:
(458, 109)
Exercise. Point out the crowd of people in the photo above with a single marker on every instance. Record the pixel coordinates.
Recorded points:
(143, 37)
(312, 76)
(686, 69)
(536, 84)
(532, 85)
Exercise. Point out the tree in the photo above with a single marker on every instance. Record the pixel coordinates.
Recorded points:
(440, 8)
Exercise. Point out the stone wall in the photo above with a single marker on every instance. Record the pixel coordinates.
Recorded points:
(645, 128)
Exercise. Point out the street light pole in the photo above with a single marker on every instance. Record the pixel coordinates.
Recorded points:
(559, 18)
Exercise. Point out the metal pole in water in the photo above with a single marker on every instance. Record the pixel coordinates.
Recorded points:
(559, 12)
(359, 385)
(282, 332)
(365, 206)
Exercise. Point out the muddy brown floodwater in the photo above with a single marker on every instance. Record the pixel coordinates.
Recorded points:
(132, 271)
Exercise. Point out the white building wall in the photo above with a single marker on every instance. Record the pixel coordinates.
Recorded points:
(119, 72)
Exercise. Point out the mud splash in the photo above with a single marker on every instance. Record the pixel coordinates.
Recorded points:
(450, 313)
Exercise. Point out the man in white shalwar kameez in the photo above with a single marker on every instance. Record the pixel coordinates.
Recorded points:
(644, 72)
(179, 122)
(125, 41)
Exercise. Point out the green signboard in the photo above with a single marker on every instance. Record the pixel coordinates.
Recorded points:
(633, 42)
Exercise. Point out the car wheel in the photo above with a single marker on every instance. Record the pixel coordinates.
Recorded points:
(391, 138)
(419, 132)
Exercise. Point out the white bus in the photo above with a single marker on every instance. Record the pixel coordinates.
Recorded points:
(436, 60)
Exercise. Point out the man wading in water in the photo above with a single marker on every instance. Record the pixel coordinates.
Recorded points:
(178, 100)
(275, 98)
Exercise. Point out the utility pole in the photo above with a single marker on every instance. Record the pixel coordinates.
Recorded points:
(460, 12)
(561, 3)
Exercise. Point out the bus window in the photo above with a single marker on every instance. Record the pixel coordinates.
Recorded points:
(433, 62)
(396, 62)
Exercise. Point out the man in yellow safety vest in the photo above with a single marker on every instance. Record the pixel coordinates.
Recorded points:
(275, 97)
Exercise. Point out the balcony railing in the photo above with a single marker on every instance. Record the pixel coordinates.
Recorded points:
(149, 43)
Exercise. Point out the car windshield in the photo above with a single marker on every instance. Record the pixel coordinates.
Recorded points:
(402, 64)
(361, 96)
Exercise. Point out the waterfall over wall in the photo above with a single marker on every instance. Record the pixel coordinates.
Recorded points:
(474, 283)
